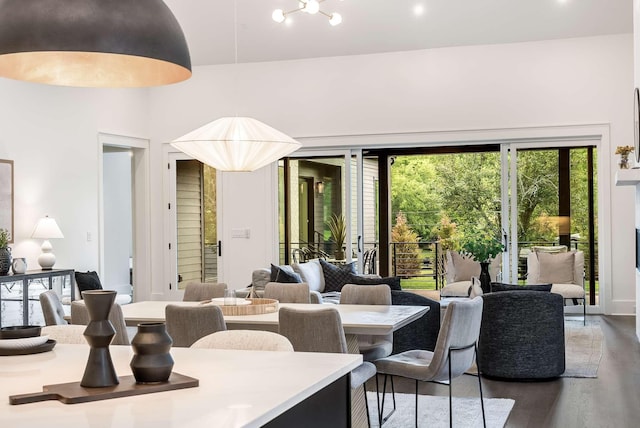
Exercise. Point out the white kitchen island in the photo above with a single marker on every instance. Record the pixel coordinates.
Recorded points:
(237, 389)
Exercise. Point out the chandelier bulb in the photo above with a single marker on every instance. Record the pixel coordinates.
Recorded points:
(335, 19)
(312, 7)
(278, 15)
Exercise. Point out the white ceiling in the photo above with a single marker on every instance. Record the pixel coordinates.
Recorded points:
(374, 26)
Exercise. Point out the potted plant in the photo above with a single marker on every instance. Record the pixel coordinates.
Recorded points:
(5, 251)
(482, 248)
(338, 227)
(624, 151)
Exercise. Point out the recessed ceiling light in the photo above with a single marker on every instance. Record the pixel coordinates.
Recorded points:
(563, 1)
(418, 9)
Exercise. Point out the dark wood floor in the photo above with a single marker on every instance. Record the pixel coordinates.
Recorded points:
(610, 400)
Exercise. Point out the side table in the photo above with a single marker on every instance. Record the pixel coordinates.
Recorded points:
(9, 293)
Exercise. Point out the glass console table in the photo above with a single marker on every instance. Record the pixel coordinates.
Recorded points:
(19, 294)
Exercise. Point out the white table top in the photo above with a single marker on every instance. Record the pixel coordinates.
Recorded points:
(237, 388)
(356, 319)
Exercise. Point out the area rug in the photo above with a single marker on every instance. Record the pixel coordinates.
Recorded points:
(583, 349)
(434, 411)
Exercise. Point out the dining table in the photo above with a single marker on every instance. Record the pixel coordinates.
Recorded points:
(356, 319)
(235, 389)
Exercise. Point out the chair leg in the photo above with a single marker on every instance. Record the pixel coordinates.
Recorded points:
(381, 418)
(450, 399)
(366, 404)
(416, 403)
(484, 420)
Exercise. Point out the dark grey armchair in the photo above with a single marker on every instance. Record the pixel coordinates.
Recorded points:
(522, 335)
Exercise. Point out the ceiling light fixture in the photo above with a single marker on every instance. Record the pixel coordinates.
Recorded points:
(309, 6)
(92, 43)
(237, 144)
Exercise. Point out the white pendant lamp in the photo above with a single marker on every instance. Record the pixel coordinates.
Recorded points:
(46, 229)
(236, 144)
(92, 43)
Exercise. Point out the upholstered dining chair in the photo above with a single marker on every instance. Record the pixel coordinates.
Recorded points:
(287, 293)
(69, 334)
(52, 308)
(371, 347)
(245, 340)
(80, 316)
(454, 354)
(321, 331)
(563, 270)
(201, 291)
(187, 324)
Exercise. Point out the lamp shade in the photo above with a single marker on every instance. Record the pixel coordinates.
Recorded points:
(47, 228)
(92, 43)
(236, 144)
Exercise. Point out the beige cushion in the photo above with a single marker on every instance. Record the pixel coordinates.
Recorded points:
(568, 291)
(311, 273)
(550, 249)
(456, 289)
(463, 267)
(556, 268)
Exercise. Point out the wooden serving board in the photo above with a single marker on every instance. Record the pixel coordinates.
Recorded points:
(72, 393)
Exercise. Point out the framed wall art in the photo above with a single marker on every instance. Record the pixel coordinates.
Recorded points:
(6, 196)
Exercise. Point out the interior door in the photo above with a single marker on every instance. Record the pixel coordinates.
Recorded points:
(194, 250)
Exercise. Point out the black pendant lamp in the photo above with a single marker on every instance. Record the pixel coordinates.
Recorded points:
(92, 43)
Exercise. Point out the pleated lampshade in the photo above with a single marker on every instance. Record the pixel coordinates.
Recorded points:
(236, 144)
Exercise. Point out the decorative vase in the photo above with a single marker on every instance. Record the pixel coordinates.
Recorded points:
(339, 254)
(152, 362)
(99, 371)
(19, 265)
(485, 278)
(624, 161)
(5, 260)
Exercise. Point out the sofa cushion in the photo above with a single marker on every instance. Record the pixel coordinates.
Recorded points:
(88, 281)
(556, 268)
(311, 273)
(284, 274)
(335, 276)
(392, 281)
(498, 286)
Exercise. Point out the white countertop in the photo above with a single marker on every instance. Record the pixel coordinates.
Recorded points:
(356, 319)
(237, 388)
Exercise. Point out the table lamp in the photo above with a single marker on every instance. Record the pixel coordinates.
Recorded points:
(46, 229)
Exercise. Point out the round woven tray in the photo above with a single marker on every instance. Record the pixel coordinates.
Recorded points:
(257, 307)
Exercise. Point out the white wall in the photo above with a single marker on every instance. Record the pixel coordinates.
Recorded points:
(496, 87)
(51, 135)
(118, 219)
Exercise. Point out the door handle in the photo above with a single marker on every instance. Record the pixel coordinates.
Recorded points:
(359, 241)
(219, 248)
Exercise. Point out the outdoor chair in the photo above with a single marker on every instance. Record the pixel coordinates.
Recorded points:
(460, 269)
(563, 270)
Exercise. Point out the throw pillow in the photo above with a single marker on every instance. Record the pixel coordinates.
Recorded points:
(498, 286)
(464, 267)
(335, 276)
(88, 281)
(311, 273)
(556, 268)
(284, 274)
(392, 281)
